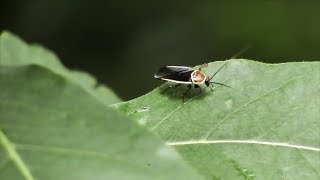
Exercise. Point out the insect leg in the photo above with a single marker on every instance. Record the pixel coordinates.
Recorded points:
(210, 86)
(184, 94)
(197, 86)
(170, 88)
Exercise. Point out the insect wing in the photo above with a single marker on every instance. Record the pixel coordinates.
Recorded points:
(178, 74)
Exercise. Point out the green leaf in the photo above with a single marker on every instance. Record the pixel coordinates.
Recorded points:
(50, 128)
(268, 128)
(15, 52)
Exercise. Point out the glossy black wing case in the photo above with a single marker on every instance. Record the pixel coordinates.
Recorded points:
(175, 73)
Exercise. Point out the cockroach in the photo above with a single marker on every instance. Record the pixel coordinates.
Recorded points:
(187, 75)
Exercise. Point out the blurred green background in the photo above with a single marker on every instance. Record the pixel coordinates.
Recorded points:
(123, 43)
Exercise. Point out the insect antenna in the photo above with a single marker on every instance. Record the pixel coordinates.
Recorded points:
(217, 71)
(243, 50)
(221, 84)
(234, 56)
(209, 82)
(227, 87)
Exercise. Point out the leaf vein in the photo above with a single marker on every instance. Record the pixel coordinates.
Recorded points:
(14, 156)
(246, 104)
(64, 150)
(311, 165)
(173, 111)
(231, 141)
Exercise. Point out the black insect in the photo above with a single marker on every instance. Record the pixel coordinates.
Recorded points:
(186, 75)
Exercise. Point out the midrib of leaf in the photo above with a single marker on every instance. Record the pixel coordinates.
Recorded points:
(14, 156)
(181, 143)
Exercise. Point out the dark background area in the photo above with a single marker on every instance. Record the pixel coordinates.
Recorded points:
(122, 43)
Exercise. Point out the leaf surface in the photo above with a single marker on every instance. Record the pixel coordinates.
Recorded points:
(50, 128)
(268, 128)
